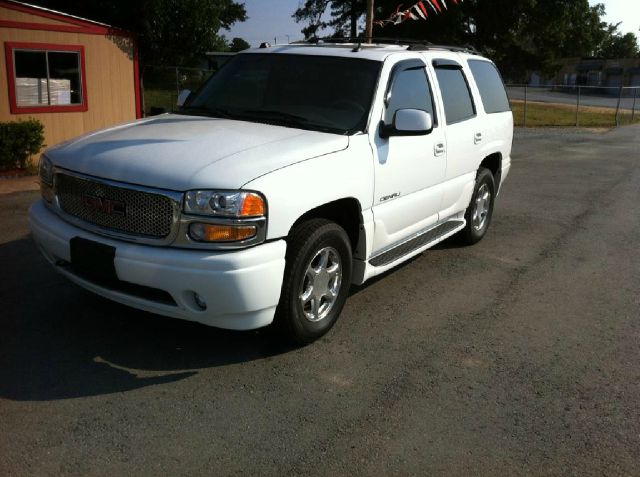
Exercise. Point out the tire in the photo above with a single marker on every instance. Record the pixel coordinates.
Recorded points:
(478, 214)
(308, 310)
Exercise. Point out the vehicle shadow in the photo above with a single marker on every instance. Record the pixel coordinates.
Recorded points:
(58, 341)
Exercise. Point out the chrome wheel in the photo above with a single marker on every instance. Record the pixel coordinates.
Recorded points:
(321, 284)
(481, 207)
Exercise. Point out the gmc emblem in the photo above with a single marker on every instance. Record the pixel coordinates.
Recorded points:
(104, 206)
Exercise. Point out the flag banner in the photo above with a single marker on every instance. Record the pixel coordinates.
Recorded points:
(418, 11)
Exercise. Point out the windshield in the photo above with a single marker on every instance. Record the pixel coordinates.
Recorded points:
(321, 93)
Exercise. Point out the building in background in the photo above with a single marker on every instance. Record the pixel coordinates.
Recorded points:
(594, 72)
(73, 74)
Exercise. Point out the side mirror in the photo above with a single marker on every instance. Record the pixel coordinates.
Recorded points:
(183, 96)
(408, 122)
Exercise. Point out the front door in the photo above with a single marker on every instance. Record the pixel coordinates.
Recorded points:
(408, 169)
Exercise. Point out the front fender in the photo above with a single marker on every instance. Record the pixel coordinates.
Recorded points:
(294, 190)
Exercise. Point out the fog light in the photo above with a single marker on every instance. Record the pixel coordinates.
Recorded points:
(221, 233)
(202, 304)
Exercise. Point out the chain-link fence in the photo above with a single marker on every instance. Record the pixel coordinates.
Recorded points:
(163, 83)
(580, 106)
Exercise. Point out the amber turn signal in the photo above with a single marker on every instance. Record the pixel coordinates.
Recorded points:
(221, 233)
(253, 206)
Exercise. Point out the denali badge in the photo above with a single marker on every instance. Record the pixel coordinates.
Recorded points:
(389, 197)
(105, 206)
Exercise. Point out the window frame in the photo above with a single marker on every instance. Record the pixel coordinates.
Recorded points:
(396, 70)
(445, 64)
(10, 49)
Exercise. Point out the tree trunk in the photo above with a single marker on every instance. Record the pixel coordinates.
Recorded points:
(354, 19)
(369, 33)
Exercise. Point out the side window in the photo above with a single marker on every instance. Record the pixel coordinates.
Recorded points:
(494, 97)
(410, 90)
(456, 96)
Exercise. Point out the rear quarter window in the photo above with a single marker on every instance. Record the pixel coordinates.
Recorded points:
(492, 92)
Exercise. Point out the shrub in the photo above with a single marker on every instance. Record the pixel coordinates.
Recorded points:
(19, 140)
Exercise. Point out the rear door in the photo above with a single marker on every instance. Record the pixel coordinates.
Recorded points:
(463, 134)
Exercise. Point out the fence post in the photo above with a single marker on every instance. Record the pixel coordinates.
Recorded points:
(578, 109)
(633, 109)
(524, 123)
(618, 108)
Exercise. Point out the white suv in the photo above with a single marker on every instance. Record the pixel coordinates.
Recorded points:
(294, 172)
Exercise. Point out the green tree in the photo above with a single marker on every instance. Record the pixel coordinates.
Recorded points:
(343, 16)
(616, 45)
(169, 32)
(520, 35)
(238, 44)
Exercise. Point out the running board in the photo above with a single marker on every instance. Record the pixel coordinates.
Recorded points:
(430, 237)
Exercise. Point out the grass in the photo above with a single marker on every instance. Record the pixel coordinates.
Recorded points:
(550, 114)
(160, 98)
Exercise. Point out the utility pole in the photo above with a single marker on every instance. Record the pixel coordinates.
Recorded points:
(369, 32)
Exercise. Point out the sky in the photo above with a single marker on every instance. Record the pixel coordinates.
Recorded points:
(269, 19)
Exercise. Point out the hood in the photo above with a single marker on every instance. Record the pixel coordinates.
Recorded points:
(179, 152)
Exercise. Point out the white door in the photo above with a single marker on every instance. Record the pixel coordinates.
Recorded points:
(408, 169)
(465, 135)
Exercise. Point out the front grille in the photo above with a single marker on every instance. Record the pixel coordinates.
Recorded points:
(135, 212)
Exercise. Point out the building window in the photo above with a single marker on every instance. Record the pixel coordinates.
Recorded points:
(46, 78)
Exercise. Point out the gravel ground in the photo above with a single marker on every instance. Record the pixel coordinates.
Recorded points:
(517, 356)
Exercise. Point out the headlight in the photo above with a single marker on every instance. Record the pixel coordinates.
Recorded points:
(238, 204)
(46, 170)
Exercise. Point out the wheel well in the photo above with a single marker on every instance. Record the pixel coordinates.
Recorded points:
(493, 162)
(345, 212)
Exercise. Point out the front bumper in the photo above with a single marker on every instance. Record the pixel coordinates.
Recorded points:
(241, 288)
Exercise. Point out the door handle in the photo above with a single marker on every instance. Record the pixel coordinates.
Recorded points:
(438, 149)
(477, 138)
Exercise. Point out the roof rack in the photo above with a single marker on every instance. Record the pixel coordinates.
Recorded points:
(431, 46)
(412, 45)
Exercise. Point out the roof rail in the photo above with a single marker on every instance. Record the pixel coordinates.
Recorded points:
(430, 46)
(412, 45)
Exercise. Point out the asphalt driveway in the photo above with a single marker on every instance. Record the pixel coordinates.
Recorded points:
(518, 356)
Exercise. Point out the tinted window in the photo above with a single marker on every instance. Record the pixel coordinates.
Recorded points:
(64, 77)
(410, 90)
(494, 97)
(456, 96)
(302, 91)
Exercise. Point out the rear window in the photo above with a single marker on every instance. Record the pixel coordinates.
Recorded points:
(494, 97)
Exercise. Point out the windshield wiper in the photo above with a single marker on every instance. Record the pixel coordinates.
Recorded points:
(273, 114)
(287, 119)
(204, 111)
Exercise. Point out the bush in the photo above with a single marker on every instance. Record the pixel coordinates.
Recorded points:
(19, 140)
